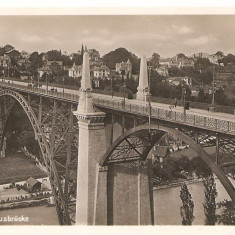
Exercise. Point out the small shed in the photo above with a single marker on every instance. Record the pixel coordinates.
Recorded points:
(33, 185)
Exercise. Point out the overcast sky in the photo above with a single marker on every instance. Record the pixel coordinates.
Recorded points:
(166, 35)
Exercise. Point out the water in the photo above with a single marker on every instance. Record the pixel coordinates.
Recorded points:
(167, 204)
(39, 215)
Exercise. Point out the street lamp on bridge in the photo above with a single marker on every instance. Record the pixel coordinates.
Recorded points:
(149, 97)
(124, 85)
(63, 86)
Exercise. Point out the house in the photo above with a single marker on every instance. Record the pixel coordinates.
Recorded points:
(5, 61)
(124, 68)
(55, 66)
(186, 63)
(163, 70)
(165, 61)
(179, 80)
(214, 58)
(101, 72)
(13, 194)
(43, 70)
(200, 55)
(24, 54)
(33, 184)
(159, 154)
(25, 75)
(24, 62)
(75, 71)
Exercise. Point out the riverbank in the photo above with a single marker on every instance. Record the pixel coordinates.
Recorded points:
(23, 204)
(177, 184)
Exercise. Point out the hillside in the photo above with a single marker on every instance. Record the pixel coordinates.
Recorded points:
(119, 55)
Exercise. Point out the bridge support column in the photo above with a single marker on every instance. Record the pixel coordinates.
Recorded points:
(129, 190)
(92, 145)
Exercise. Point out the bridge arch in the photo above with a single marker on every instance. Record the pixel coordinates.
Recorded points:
(61, 207)
(151, 134)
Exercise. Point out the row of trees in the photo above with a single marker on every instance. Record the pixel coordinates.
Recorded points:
(172, 168)
(226, 215)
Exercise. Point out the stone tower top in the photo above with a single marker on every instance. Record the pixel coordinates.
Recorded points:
(86, 79)
(143, 80)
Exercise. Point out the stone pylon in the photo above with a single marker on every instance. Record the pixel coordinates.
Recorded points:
(142, 93)
(92, 146)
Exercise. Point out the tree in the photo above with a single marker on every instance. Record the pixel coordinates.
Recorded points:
(210, 204)
(155, 59)
(54, 55)
(186, 210)
(121, 55)
(181, 55)
(201, 97)
(200, 167)
(220, 53)
(227, 216)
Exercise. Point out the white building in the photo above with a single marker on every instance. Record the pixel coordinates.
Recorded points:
(24, 54)
(163, 70)
(101, 72)
(124, 66)
(75, 71)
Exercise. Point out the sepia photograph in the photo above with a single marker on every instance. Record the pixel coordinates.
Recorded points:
(117, 119)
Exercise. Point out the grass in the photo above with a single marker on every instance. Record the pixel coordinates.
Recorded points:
(16, 167)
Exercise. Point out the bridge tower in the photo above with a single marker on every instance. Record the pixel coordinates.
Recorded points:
(92, 145)
(142, 93)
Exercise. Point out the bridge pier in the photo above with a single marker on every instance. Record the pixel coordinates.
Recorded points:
(124, 195)
(92, 145)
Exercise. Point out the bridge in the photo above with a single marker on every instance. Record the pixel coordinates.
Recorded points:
(105, 141)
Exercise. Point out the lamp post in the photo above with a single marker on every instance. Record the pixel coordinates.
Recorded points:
(149, 98)
(63, 86)
(46, 81)
(124, 85)
(38, 75)
(213, 87)
(112, 86)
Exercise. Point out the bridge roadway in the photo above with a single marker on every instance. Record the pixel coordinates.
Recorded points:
(217, 121)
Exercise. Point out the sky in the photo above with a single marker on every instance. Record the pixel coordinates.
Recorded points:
(142, 35)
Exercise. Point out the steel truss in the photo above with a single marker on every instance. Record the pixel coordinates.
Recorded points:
(56, 131)
(224, 144)
(224, 151)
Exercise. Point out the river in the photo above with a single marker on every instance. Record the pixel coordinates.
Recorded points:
(166, 207)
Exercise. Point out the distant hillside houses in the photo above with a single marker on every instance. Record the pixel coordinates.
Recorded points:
(177, 62)
(176, 81)
(5, 61)
(43, 70)
(75, 71)
(24, 54)
(124, 68)
(163, 70)
(213, 58)
(101, 72)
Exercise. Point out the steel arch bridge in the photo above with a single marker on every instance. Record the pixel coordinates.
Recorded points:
(133, 147)
(58, 144)
(56, 131)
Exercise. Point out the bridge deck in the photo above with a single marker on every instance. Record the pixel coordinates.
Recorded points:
(221, 122)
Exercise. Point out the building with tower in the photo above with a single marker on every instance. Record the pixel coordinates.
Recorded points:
(124, 68)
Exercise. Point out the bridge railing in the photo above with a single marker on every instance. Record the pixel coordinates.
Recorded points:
(144, 110)
(169, 115)
(56, 94)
